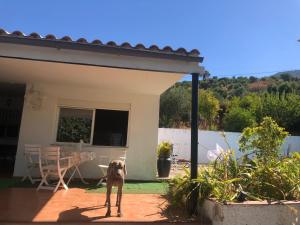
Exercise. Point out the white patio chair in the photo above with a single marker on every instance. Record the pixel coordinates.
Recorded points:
(104, 162)
(32, 155)
(52, 165)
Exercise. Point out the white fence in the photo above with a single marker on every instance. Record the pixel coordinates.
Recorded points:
(181, 138)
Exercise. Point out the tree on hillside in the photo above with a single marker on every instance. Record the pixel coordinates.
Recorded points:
(175, 107)
(276, 96)
(209, 107)
(237, 119)
(286, 76)
(284, 109)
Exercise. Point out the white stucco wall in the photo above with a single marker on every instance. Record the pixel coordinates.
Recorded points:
(181, 139)
(39, 126)
(252, 213)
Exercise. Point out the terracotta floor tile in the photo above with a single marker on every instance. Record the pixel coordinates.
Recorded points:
(74, 205)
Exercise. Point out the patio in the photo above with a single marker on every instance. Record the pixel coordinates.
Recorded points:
(26, 205)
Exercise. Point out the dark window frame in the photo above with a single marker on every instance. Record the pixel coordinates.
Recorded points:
(91, 143)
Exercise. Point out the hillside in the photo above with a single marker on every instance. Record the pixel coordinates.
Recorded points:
(235, 103)
(226, 88)
(293, 73)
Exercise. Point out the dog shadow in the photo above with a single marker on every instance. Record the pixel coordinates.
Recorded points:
(77, 214)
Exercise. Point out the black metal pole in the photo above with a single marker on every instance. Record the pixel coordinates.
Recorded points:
(194, 126)
(194, 143)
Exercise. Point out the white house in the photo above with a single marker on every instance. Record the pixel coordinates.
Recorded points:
(111, 90)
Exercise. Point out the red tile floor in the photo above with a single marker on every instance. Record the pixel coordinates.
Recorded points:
(18, 205)
(26, 204)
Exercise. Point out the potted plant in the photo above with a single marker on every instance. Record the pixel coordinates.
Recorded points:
(164, 151)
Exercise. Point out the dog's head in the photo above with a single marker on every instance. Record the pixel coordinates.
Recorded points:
(117, 168)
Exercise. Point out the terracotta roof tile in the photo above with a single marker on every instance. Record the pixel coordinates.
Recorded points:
(96, 42)
(126, 45)
(140, 46)
(66, 38)
(111, 43)
(50, 37)
(153, 48)
(82, 40)
(18, 33)
(35, 35)
(167, 49)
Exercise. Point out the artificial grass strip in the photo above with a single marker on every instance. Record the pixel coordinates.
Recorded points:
(136, 188)
(8, 182)
(130, 187)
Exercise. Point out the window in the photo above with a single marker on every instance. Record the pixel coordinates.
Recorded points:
(106, 127)
(110, 128)
(74, 125)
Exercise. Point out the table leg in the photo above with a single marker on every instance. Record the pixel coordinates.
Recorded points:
(81, 178)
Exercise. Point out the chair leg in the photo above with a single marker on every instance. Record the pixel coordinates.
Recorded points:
(24, 178)
(61, 181)
(71, 177)
(44, 181)
(42, 175)
(31, 180)
(28, 175)
(100, 181)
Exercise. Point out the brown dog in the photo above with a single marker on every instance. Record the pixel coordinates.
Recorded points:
(115, 177)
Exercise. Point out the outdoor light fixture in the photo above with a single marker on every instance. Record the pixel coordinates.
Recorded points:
(34, 98)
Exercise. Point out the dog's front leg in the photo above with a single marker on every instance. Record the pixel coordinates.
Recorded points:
(108, 192)
(119, 198)
(117, 201)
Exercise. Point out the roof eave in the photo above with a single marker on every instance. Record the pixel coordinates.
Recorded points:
(116, 50)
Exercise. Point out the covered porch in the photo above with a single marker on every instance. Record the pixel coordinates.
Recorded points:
(66, 77)
(62, 78)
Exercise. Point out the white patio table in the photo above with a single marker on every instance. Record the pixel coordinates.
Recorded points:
(78, 158)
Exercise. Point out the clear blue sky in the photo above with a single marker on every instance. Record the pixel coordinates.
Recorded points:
(235, 36)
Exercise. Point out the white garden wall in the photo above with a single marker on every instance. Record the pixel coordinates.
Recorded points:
(181, 138)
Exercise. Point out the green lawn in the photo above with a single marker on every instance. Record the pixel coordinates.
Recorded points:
(130, 187)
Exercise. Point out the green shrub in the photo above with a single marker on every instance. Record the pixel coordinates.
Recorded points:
(179, 189)
(264, 176)
(237, 119)
(164, 149)
(209, 107)
(277, 180)
(264, 140)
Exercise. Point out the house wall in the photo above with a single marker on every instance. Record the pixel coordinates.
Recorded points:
(39, 126)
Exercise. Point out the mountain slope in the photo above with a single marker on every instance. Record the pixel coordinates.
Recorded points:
(294, 73)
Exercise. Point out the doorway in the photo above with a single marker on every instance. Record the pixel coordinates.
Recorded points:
(11, 107)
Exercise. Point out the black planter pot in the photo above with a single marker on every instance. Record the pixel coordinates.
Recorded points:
(163, 167)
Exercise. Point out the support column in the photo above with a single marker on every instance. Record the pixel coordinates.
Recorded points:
(192, 206)
(194, 126)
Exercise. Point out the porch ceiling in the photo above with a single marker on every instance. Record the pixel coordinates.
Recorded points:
(104, 78)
